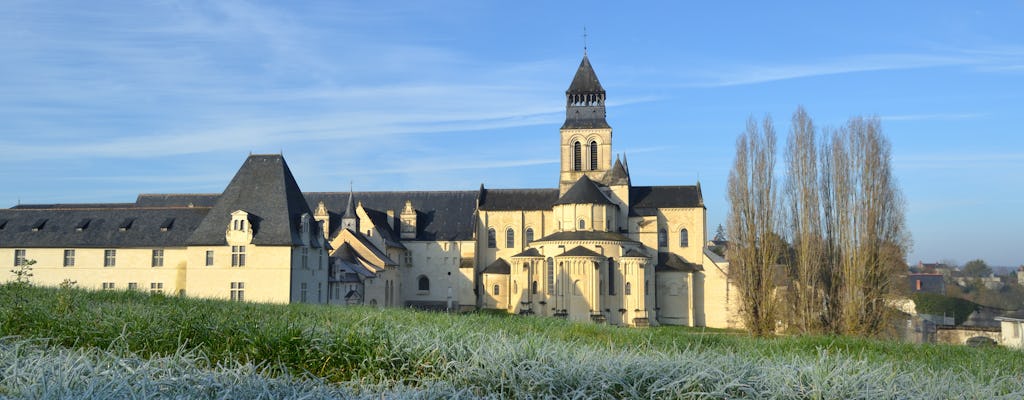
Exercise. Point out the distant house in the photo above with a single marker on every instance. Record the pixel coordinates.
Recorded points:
(926, 283)
(933, 268)
(1012, 326)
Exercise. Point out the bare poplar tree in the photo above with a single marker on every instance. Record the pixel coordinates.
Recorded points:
(864, 225)
(754, 247)
(807, 265)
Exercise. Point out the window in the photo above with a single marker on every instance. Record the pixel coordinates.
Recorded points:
(305, 257)
(133, 286)
(647, 287)
(576, 288)
(497, 290)
(158, 257)
(583, 224)
(19, 257)
(492, 242)
(423, 284)
(237, 291)
(533, 287)
(515, 287)
(510, 238)
(69, 258)
(576, 157)
(108, 285)
(528, 236)
(302, 292)
(109, 258)
(593, 155)
(551, 275)
(239, 225)
(209, 258)
(684, 238)
(611, 277)
(662, 238)
(629, 288)
(156, 288)
(237, 256)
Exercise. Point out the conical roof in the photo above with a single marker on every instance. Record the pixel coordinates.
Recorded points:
(617, 175)
(265, 188)
(350, 210)
(585, 80)
(584, 191)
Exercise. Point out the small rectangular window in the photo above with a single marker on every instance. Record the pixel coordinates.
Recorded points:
(19, 257)
(237, 291)
(158, 257)
(108, 285)
(237, 256)
(133, 286)
(302, 292)
(109, 258)
(69, 258)
(156, 287)
(209, 258)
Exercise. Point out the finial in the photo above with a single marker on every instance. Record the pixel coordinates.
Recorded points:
(584, 40)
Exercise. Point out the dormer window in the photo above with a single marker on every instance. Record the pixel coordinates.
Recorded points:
(304, 224)
(126, 224)
(84, 223)
(38, 225)
(240, 221)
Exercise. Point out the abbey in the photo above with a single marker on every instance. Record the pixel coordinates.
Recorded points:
(596, 248)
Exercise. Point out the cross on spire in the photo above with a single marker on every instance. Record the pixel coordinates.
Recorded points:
(584, 40)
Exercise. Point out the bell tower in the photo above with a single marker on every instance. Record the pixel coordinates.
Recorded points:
(586, 136)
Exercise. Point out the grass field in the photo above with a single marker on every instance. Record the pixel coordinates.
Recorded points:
(72, 343)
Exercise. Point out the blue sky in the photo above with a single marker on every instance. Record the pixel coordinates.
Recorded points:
(102, 102)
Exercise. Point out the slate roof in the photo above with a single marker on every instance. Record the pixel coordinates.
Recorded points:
(265, 188)
(499, 266)
(100, 227)
(585, 80)
(440, 215)
(383, 224)
(643, 200)
(531, 252)
(673, 262)
(71, 206)
(517, 199)
(617, 175)
(635, 253)
(585, 235)
(176, 200)
(580, 251)
(584, 191)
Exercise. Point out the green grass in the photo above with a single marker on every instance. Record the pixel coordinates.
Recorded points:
(401, 353)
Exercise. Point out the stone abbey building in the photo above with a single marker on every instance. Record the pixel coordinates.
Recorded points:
(596, 248)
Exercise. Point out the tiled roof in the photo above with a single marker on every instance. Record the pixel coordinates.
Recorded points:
(635, 253)
(580, 251)
(586, 235)
(673, 262)
(584, 191)
(100, 227)
(176, 200)
(644, 200)
(518, 199)
(585, 80)
(265, 188)
(499, 266)
(531, 252)
(440, 215)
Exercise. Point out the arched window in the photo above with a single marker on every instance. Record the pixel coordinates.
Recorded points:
(611, 277)
(561, 267)
(593, 155)
(662, 238)
(492, 242)
(423, 283)
(528, 236)
(510, 238)
(551, 275)
(577, 156)
(533, 287)
(684, 238)
(583, 224)
(576, 288)
(497, 290)
(629, 289)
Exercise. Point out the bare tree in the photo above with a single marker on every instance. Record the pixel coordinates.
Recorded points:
(754, 248)
(864, 226)
(807, 267)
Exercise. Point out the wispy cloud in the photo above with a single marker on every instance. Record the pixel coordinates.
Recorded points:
(959, 161)
(752, 74)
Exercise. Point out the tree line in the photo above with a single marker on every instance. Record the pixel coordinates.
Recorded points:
(817, 249)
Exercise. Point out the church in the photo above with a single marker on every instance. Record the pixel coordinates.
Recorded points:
(595, 249)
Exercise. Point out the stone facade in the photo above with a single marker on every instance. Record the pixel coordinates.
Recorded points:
(596, 248)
